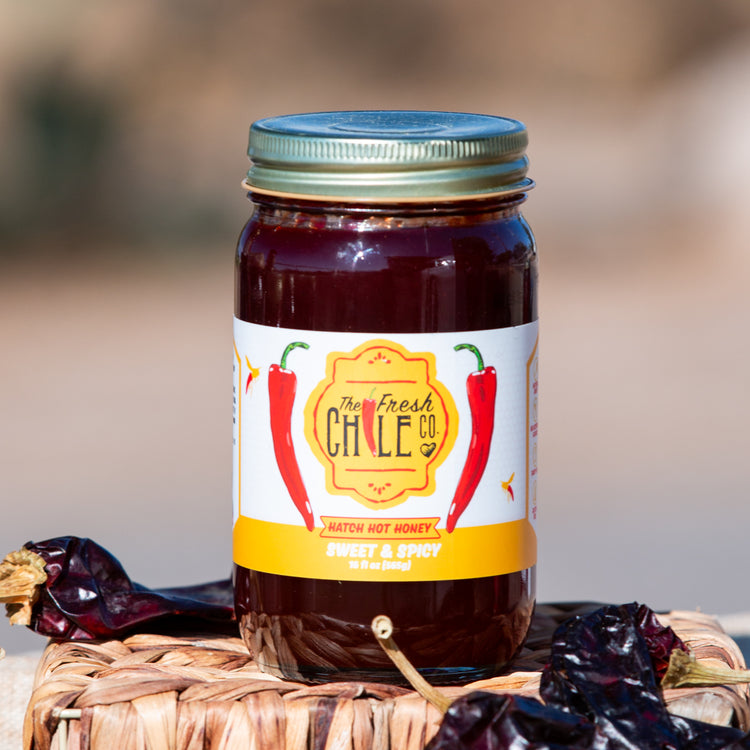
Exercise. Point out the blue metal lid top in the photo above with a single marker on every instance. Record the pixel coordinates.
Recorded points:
(388, 155)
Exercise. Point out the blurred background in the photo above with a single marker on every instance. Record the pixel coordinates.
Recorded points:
(123, 131)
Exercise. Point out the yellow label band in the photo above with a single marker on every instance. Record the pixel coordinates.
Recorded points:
(471, 552)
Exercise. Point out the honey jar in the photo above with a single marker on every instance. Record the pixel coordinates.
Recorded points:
(385, 395)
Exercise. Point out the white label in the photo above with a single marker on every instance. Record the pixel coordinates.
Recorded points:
(360, 446)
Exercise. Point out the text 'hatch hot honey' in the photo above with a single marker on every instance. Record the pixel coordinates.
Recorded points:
(385, 395)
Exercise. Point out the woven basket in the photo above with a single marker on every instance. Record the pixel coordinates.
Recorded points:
(160, 692)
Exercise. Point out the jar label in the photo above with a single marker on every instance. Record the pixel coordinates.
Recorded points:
(405, 457)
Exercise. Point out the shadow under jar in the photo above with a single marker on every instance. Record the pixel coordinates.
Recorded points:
(356, 272)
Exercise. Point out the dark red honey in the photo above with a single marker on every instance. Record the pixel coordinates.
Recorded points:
(459, 265)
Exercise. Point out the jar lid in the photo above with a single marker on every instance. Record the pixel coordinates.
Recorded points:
(388, 155)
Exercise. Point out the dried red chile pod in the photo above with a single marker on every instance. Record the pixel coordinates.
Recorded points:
(89, 595)
(603, 675)
(484, 721)
(601, 667)
(607, 667)
(660, 639)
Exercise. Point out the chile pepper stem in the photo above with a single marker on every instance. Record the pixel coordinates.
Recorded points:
(382, 629)
(22, 574)
(686, 671)
(474, 351)
(293, 345)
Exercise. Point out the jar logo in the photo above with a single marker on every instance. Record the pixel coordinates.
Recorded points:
(380, 423)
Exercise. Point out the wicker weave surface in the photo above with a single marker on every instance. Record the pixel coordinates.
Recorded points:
(161, 692)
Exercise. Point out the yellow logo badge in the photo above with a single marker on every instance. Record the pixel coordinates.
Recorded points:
(380, 423)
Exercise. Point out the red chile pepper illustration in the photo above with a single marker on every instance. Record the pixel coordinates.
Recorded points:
(282, 387)
(481, 387)
(368, 422)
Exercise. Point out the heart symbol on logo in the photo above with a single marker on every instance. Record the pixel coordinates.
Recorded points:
(427, 449)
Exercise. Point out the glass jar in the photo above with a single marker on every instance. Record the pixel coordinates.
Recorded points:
(385, 391)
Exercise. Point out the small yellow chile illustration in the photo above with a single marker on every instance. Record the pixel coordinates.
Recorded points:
(507, 487)
(252, 376)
